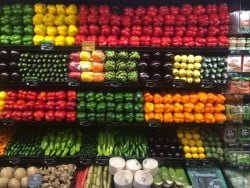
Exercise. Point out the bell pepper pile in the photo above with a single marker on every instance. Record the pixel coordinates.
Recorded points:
(16, 24)
(198, 107)
(55, 23)
(87, 66)
(185, 25)
(121, 66)
(25, 105)
(108, 106)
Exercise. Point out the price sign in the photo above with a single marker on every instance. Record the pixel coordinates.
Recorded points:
(151, 83)
(244, 134)
(35, 180)
(207, 84)
(8, 122)
(84, 122)
(47, 46)
(14, 160)
(101, 161)
(114, 83)
(49, 160)
(178, 84)
(73, 82)
(230, 134)
(154, 123)
(88, 46)
(84, 161)
(31, 81)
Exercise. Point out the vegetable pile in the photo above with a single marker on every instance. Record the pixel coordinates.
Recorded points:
(235, 157)
(198, 107)
(8, 66)
(105, 143)
(16, 24)
(89, 144)
(121, 66)
(100, 106)
(43, 67)
(55, 23)
(87, 66)
(30, 105)
(5, 137)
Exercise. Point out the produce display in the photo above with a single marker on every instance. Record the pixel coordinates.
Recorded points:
(234, 157)
(16, 24)
(198, 107)
(5, 136)
(237, 178)
(43, 67)
(105, 143)
(55, 23)
(110, 106)
(89, 144)
(28, 105)
(171, 177)
(121, 66)
(87, 66)
(9, 66)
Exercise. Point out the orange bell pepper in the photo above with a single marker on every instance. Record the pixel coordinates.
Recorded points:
(185, 99)
(149, 116)
(188, 107)
(188, 117)
(198, 118)
(168, 117)
(158, 98)
(193, 98)
(202, 97)
(199, 107)
(209, 108)
(178, 107)
(219, 108)
(168, 108)
(220, 99)
(148, 97)
(178, 117)
(209, 118)
(177, 98)
(159, 108)
(211, 97)
(148, 107)
(220, 117)
(159, 116)
(167, 98)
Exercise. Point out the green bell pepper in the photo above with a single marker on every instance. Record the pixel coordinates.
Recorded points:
(5, 20)
(129, 97)
(138, 107)
(119, 97)
(100, 117)
(5, 39)
(81, 106)
(128, 107)
(16, 20)
(16, 39)
(28, 30)
(109, 97)
(110, 116)
(90, 106)
(28, 9)
(17, 8)
(6, 9)
(27, 19)
(110, 106)
(81, 115)
(138, 97)
(119, 107)
(90, 96)
(17, 30)
(28, 39)
(80, 96)
(129, 117)
(99, 97)
(139, 117)
(101, 107)
(6, 29)
(91, 116)
(119, 117)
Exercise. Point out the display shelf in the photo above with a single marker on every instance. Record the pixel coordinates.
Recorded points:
(239, 52)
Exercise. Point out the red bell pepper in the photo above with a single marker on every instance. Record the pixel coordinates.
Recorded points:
(115, 30)
(155, 41)
(211, 9)
(186, 9)
(40, 105)
(11, 96)
(224, 17)
(51, 105)
(174, 10)
(152, 11)
(82, 19)
(91, 38)
(147, 30)
(31, 96)
(104, 10)
(126, 32)
(212, 31)
(165, 41)
(201, 32)
(61, 105)
(51, 96)
(176, 41)
(93, 9)
(134, 41)
(60, 95)
(223, 41)
(9, 105)
(145, 40)
(168, 31)
(115, 20)
(188, 41)
(102, 41)
(163, 10)
(30, 105)
(22, 94)
(105, 30)
(79, 39)
(20, 105)
(180, 31)
(191, 31)
(140, 10)
(126, 21)
(42, 96)
(223, 29)
(147, 20)
(192, 20)
(180, 20)
(214, 20)
(211, 41)
(200, 42)
(169, 20)
(158, 21)
(136, 20)
(84, 9)
(128, 11)
(39, 115)
(199, 10)
(92, 18)
(203, 20)
(84, 30)
(27, 116)
(16, 115)
(223, 7)
(94, 29)
(50, 115)
(123, 41)
(71, 95)
(6, 114)
(157, 32)
(71, 116)
(103, 20)
(112, 40)
(60, 115)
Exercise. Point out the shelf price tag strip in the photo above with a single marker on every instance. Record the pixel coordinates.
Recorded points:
(31, 81)
(88, 46)
(151, 83)
(49, 160)
(84, 122)
(84, 161)
(101, 161)
(154, 123)
(207, 84)
(178, 84)
(14, 160)
(8, 122)
(73, 82)
(114, 83)
(47, 46)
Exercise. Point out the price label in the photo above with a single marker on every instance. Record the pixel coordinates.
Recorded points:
(245, 145)
(230, 134)
(14, 160)
(47, 46)
(244, 134)
(88, 46)
(73, 82)
(84, 161)
(35, 180)
(84, 122)
(49, 160)
(31, 81)
(151, 83)
(178, 84)
(101, 161)
(207, 84)
(114, 83)
(154, 123)
(8, 122)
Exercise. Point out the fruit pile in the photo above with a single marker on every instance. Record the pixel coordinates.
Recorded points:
(155, 66)
(198, 107)
(187, 68)
(8, 66)
(186, 25)
(43, 67)
(121, 66)
(214, 69)
(61, 143)
(5, 136)
(100, 106)
(87, 66)
(25, 105)
(55, 24)
(16, 24)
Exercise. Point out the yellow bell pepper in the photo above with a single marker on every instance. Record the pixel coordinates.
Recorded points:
(62, 30)
(60, 41)
(3, 95)
(50, 39)
(40, 30)
(51, 31)
(60, 19)
(49, 19)
(73, 30)
(40, 8)
(87, 76)
(60, 9)
(37, 39)
(71, 19)
(71, 9)
(70, 41)
(38, 19)
(51, 9)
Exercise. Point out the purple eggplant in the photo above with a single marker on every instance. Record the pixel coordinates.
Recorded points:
(15, 76)
(168, 56)
(3, 67)
(4, 55)
(167, 66)
(168, 77)
(157, 55)
(13, 66)
(14, 55)
(156, 76)
(155, 65)
(4, 76)
(142, 66)
(145, 56)
(144, 76)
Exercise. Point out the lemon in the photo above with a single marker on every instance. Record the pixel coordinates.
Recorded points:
(188, 136)
(186, 149)
(191, 142)
(202, 156)
(201, 150)
(180, 135)
(195, 156)
(3, 95)
(196, 136)
(198, 143)
(188, 155)
(184, 141)
(193, 149)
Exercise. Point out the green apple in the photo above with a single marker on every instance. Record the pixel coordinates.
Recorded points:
(183, 78)
(190, 66)
(183, 65)
(197, 59)
(177, 65)
(182, 72)
(175, 72)
(197, 66)
(177, 77)
(197, 80)
(184, 58)
(177, 58)
(190, 80)
(191, 59)
(189, 73)
(196, 73)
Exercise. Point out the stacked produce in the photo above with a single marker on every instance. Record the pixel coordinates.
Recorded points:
(89, 144)
(171, 177)
(185, 25)
(55, 23)
(100, 106)
(121, 66)
(93, 176)
(236, 157)
(23, 105)
(237, 177)
(87, 66)
(61, 143)
(17, 176)
(16, 24)
(3, 95)
(155, 66)
(8, 66)
(5, 137)
(198, 107)
(187, 68)
(43, 67)
(105, 143)
(214, 69)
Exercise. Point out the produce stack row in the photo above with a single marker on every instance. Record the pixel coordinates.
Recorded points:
(23, 105)
(16, 24)
(198, 107)
(5, 137)
(110, 106)
(87, 66)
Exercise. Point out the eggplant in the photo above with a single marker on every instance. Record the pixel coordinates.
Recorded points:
(170, 155)
(144, 76)
(4, 56)
(157, 55)
(13, 66)
(161, 154)
(142, 66)
(158, 147)
(165, 147)
(145, 56)
(167, 66)
(3, 67)
(4, 76)
(156, 77)
(178, 155)
(155, 65)
(15, 76)
(14, 55)
(168, 56)
(168, 77)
